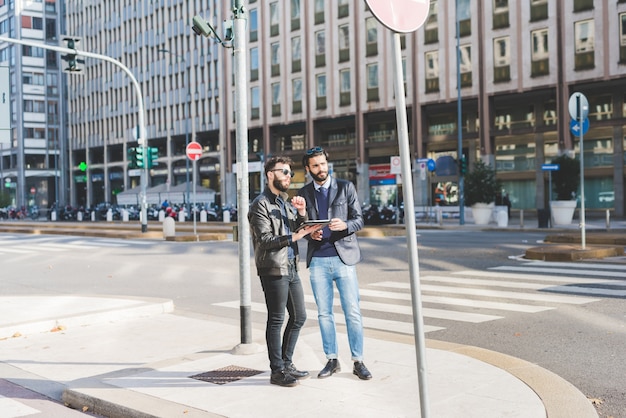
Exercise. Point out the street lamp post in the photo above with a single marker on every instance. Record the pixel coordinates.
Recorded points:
(180, 58)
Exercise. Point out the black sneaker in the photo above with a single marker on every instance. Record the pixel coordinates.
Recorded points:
(298, 374)
(282, 378)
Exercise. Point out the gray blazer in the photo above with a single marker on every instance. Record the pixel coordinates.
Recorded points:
(343, 203)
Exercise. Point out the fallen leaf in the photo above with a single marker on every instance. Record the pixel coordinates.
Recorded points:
(518, 334)
(596, 401)
(85, 408)
(17, 335)
(58, 328)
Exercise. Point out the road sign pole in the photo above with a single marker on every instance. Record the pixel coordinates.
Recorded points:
(582, 174)
(194, 197)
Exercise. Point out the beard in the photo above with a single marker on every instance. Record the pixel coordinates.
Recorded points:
(279, 185)
(319, 177)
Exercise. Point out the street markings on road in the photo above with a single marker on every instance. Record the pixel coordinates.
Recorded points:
(20, 244)
(474, 296)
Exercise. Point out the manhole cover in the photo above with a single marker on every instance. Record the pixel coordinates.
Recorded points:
(226, 374)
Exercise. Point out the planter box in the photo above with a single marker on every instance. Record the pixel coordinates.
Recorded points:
(562, 211)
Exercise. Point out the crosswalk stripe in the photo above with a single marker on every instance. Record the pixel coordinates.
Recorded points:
(479, 282)
(370, 323)
(587, 291)
(14, 250)
(563, 271)
(39, 247)
(536, 277)
(426, 312)
(575, 300)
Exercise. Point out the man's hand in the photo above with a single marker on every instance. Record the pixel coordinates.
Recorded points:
(306, 231)
(337, 224)
(299, 203)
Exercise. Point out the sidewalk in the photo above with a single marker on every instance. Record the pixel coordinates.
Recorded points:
(135, 358)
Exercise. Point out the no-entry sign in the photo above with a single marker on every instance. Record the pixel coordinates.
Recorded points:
(194, 151)
(401, 16)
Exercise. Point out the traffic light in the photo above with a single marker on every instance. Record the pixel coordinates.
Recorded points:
(74, 64)
(153, 156)
(463, 165)
(140, 158)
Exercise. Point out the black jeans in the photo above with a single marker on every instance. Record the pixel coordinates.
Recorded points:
(283, 292)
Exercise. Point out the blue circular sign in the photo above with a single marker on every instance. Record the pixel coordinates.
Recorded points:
(576, 129)
(430, 164)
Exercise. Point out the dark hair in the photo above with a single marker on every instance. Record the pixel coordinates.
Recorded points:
(313, 152)
(271, 163)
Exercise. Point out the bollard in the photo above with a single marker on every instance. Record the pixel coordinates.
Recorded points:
(53, 215)
(226, 216)
(161, 215)
(521, 218)
(439, 216)
(235, 233)
(169, 227)
(124, 215)
(109, 215)
(79, 216)
(502, 218)
(181, 215)
(608, 220)
(93, 216)
(203, 217)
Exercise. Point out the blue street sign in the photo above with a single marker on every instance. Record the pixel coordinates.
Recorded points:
(430, 164)
(550, 167)
(574, 127)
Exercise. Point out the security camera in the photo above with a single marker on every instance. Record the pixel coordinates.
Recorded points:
(201, 27)
(228, 30)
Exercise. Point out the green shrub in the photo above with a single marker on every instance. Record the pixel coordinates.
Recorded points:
(566, 179)
(481, 185)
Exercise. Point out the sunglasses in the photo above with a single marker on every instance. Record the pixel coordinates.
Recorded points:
(285, 171)
(315, 150)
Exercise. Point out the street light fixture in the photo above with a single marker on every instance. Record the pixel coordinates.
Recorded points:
(179, 59)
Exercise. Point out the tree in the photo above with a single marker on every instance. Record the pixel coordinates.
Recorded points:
(566, 179)
(481, 185)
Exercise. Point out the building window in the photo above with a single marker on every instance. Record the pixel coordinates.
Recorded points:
(295, 15)
(254, 64)
(344, 43)
(432, 71)
(296, 86)
(372, 82)
(275, 59)
(319, 11)
(344, 87)
(538, 10)
(502, 59)
(274, 19)
(320, 48)
(622, 38)
(320, 91)
(343, 8)
(431, 26)
(371, 29)
(255, 103)
(465, 21)
(465, 66)
(584, 38)
(539, 54)
(500, 14)
(275, 99)
(253, 21)
(600, 107)
(296, 54)
(581, 5)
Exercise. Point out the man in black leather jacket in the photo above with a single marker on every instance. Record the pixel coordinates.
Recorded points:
(274, 222)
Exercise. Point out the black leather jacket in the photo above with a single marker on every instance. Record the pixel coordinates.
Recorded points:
(270, 244)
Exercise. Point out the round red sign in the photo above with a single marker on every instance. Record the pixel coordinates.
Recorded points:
(401, 16)
(194, 151)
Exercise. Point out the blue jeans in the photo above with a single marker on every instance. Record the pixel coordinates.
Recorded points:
(325, 273)
(283, 292)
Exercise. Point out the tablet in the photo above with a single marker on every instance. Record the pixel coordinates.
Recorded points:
(314, 222)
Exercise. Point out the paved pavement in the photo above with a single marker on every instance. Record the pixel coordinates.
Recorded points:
(119, 357)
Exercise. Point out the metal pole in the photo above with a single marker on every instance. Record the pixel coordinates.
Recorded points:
(409, 207)
(582, 175)
(243, 186)
(194, 197)
(140, 137)
(459, 122)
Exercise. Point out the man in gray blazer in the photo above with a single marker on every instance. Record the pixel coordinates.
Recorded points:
(332, 255)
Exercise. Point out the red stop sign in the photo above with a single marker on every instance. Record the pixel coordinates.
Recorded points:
(401, 16)
(194, 151)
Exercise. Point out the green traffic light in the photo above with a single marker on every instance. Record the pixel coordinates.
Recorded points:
(82, 166)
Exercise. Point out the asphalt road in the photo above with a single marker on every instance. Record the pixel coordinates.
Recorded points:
(580, 338)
